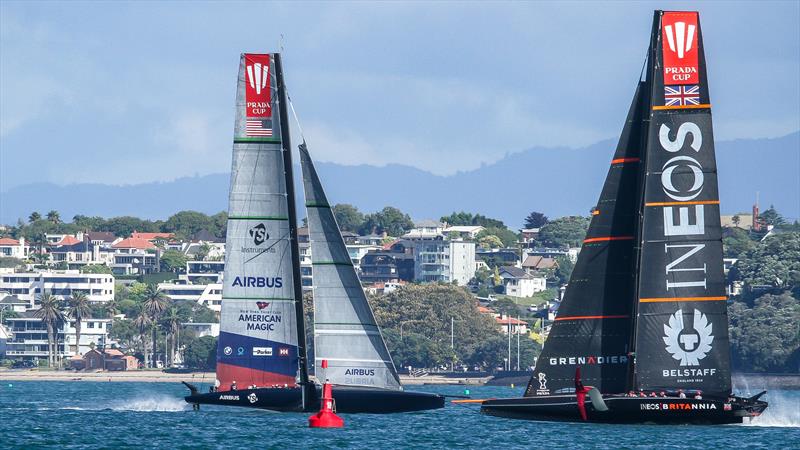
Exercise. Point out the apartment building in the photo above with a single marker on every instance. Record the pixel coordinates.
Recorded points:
(61, 283)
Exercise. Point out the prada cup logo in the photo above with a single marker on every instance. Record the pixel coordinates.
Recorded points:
(257, 76)
(674, 192)
(542, 381)
(691, 345)
(680, 38)
(259, 234)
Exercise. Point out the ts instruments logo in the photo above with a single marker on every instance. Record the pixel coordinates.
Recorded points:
(257, 76)
(259, 234)
(680, 37)
(690, 345)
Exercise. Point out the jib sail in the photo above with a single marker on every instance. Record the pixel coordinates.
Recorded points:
(345, 331)
(593, 326)
(258, 342)
(682, 323)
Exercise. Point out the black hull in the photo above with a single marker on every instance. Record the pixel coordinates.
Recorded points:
(348, 400)
(626, 410)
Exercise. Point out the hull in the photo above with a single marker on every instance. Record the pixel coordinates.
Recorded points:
(348, 400)
(626, 410)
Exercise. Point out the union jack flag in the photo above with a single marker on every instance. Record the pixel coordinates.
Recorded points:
(682, 95)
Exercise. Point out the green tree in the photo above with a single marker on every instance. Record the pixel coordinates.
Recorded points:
(88, 223)
(737, 242)
(490, 241)
(79, 309)
(173, 261)
(53, 318)
(34, 217)
(143, 324)
(348, 217)
(773, 263)
(564, 232)
(201, 353)
(563, 269)
(535, 220)
(125, 332)
(771, 217)
(766, 337)
(8, 262)
(465, 218)
(186, 223)
(54, 217)
(506, 236)
(219, 222)
(95, 268)
(125, 225)
(155, 304)
(390, 220)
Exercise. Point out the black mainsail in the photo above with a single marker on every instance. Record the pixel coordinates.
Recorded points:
(682, 322)
(645, 309)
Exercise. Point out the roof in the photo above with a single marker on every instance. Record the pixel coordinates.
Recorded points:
(8, 241)
(514, 272)
(67, 240)
(105, 236)
(113, 352)
(207, 236)
(465, 228)
(539, 262)
(142, 244)
(509, 320)
(13, 300)
(151, 236)
(485, 310)
(428, 223)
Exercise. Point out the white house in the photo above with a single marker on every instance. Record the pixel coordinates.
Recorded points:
(465, 231)
(29, 339)
(61, 283)
(440, 260)
(13, 248)
(209, 295)
(202, 329)
(519, 283)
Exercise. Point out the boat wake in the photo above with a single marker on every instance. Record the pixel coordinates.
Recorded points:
(782, 412)
(151, 404)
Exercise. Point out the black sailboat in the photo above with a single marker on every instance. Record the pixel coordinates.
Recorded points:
(644, 319)
(261, 354)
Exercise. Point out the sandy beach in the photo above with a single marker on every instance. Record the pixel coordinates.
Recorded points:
(156, 376)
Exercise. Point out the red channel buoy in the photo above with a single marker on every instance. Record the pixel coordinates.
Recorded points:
(326, 417)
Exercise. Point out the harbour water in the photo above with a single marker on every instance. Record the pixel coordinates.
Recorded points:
(51, 414)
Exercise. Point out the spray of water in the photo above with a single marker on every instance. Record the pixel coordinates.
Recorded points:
(782, 411)
(151, 403)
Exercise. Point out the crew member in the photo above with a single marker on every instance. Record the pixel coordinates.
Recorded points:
(681, 394)
(698, 395)
(233, 385)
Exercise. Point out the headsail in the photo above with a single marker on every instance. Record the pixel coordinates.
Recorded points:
(345, 331)
(682, 323)
(258, 342)
(593, 326)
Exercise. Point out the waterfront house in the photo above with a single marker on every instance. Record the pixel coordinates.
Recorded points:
(13, 248)
(519, 283)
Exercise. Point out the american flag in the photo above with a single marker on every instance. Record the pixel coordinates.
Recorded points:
(258, 127)
(682, 95)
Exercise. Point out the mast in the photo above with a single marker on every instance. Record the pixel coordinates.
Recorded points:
(286, 145)
(644, 111)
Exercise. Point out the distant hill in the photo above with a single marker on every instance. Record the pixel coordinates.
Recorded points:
(556, 181)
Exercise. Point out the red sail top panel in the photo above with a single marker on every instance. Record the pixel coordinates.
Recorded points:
(257, 87)
(679, 32)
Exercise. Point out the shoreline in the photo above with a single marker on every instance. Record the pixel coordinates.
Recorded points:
(152, 376)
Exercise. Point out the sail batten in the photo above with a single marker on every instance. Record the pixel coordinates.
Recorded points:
(345, 333)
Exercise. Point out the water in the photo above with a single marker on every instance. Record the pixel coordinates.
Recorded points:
(40, 414)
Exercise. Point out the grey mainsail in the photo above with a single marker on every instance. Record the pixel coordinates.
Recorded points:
(258, 342)
(345, 331)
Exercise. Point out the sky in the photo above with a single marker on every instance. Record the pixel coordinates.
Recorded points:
(132, 92)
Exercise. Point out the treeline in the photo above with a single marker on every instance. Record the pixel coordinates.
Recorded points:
(559, 233)
(765, 316)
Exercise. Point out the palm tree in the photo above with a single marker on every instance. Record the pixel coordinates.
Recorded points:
(154, 304)
(79, 309)
(34, 217)
(143, 323)
(54, 216)
(111, 307)
(173, 321)
(53, 318)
